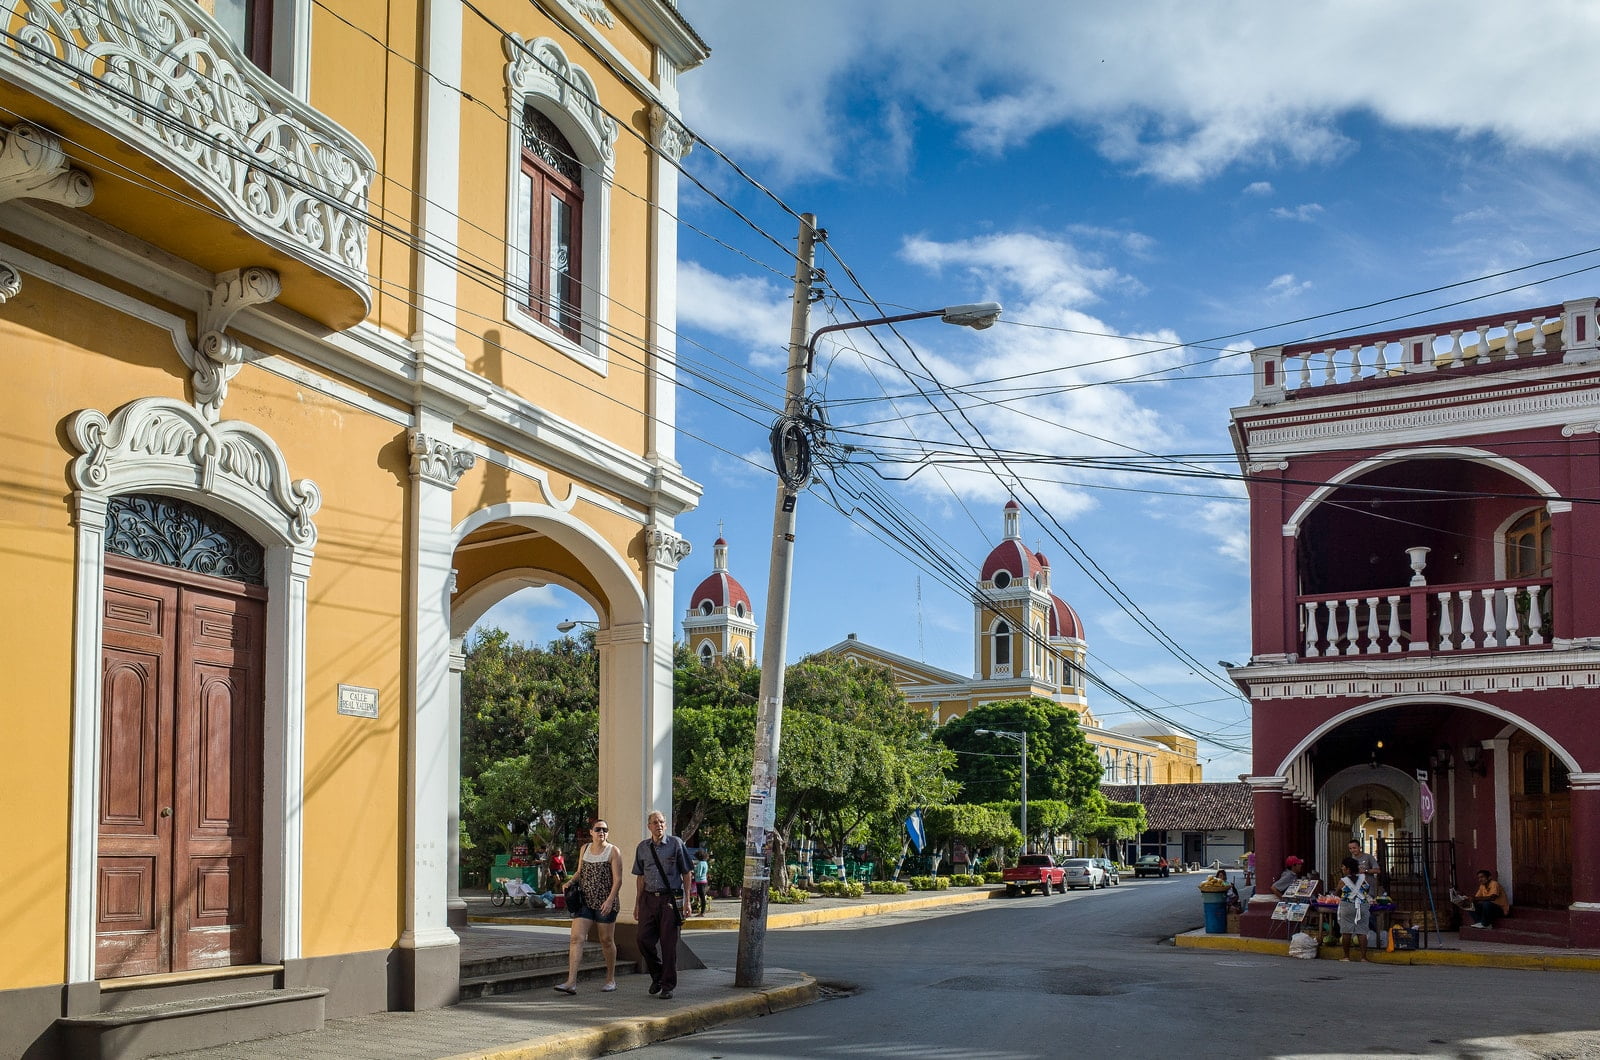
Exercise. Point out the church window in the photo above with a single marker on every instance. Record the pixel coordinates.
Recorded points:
(705, 607)
(738, 653)
(706, 653)
(739, 610)
(1002, 579)
(1002, 644)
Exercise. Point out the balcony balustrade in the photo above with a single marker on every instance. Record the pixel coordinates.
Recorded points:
(161, 78)
(1549, 334)
(1479, 616)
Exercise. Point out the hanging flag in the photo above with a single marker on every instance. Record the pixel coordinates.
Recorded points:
(914, 830)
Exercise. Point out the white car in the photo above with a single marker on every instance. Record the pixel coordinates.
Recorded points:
(1083, 872)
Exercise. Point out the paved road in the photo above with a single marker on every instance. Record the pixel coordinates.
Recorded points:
(1089, 972)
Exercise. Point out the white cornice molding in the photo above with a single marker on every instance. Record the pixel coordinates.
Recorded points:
(1550, 403)
(667, 30)
(1485, 674)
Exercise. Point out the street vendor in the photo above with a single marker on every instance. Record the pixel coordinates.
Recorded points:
(1293, 869)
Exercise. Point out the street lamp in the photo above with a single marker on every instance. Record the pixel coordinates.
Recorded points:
(1022, 738)
(792, 457)
(975, 315)
(571, 624)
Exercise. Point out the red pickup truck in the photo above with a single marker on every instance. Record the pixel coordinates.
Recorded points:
(1035, 872)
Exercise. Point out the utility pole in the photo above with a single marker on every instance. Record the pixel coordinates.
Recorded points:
(789, 449)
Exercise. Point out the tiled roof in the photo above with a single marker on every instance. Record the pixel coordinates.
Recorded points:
(1189, 807)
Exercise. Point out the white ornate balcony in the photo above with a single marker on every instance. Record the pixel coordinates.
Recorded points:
(1481, 616)
(1476, 345)
(160, 77)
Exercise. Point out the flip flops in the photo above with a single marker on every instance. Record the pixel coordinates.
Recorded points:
(609, 987)
(562, 988)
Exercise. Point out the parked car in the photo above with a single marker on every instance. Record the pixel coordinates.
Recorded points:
(1034, 872)
(1084, 872)
(1150, 865)
(1113, 873)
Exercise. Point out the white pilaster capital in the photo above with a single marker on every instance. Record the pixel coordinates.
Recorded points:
(1266, 465)
(667, 548)
(669, 135)
(436, 461)
(1584, 781)
(623, 633)
(1274, 785)
(1291, 530)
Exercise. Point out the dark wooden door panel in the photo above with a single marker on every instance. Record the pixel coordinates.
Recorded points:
(216, 848)
(133, 873)
(178, 874)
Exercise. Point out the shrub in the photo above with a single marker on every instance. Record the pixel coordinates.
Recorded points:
(930, 883)
(788, 896)
(994, 877)
(888, 887)
(841, 889)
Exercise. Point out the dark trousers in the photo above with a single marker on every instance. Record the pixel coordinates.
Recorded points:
(658, 924)
(1486, 912)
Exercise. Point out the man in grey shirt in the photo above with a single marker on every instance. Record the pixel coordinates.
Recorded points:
(659, 865)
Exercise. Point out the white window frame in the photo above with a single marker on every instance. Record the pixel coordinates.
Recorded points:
(540, 75)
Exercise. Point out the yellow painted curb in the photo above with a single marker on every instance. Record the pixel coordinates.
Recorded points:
(1541, 962)
(800, 916)
(639, 1031)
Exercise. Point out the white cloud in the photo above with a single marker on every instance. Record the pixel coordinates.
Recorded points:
(1286, 286)
(1306, 211)
(752, 311)
(1176, 90)
(1259, 187)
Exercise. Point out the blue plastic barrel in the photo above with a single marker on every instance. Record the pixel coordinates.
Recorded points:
(1216, 907)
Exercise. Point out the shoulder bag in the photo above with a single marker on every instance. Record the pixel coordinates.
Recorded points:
(675, 892)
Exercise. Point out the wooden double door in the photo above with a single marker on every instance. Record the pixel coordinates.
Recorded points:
(178, 873)
(1541, 826)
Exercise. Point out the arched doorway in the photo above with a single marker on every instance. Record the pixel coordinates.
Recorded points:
(178, 859)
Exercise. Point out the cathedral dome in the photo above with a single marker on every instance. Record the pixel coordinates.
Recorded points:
(1064, 621)
(720, 589)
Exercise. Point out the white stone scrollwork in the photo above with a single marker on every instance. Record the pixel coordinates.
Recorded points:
(34, 166)
(161, 77)
(540, 67)
(221, 356)
(595, 11)
(10, 282)
(670, 135)
(1267, 465)
(437, 461)
(667, 549)
(1588, 427)
(161, 442)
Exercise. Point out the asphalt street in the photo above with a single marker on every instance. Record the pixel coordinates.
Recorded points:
(1092, 973)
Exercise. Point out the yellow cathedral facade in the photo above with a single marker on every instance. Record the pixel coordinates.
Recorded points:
(1028, 641)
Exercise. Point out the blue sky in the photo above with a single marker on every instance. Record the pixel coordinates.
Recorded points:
(1130, 183)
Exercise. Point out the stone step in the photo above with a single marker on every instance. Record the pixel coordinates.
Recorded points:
(533, 979)
(534, 961)
(191, 1023)
(145, 990)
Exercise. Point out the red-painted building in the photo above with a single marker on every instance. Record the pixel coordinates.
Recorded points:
(1425, 575)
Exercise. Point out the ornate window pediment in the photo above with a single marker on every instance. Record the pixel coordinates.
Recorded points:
(175, 533)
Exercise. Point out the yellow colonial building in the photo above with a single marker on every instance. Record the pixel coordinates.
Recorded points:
(1027, 641)
(327, 325)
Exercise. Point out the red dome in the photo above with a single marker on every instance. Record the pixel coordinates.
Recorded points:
(722, 590)
(1064, 621)
(1042, 561)
(1013, 556)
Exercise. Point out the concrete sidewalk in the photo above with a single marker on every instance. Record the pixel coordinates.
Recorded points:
(1446, 950)
(535, 1024)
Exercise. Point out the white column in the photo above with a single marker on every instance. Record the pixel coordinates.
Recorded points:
(84, 835)
(635, 735)
(1500, 777)
(432, 970)
(672, 142)
(455, 905)
(439, 182)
